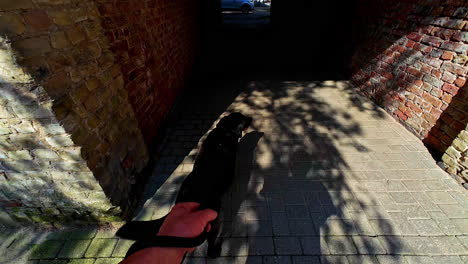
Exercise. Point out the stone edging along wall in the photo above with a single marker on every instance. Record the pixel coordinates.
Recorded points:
(412, 59)
(70, 146)
(456, 156)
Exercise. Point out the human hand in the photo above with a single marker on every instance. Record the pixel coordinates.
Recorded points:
(185, 220)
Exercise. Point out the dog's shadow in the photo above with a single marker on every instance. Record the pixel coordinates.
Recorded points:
(237, 194)
(242, 186)
(244, 167)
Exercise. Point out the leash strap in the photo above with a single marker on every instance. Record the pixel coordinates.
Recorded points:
(167, 241)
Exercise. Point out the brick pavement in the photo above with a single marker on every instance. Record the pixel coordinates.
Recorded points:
(323, 176)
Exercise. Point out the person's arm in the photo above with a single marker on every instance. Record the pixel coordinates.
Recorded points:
(183, 221)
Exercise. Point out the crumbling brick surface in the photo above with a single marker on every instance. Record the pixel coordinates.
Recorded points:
(456, 156)
(69, 140)
(412, 59)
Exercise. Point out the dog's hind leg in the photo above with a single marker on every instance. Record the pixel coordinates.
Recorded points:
(214, 241)
(140, 230)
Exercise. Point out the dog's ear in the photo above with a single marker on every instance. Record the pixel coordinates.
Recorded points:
(226, 123)
(235, 122)
(247, 122)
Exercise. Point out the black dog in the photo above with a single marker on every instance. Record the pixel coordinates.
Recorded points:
(212, 175)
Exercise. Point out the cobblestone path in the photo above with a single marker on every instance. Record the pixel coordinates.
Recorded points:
(323, 176)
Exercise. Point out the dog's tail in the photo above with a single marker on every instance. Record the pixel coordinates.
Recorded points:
(140, 230)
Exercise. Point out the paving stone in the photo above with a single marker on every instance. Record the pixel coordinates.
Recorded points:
(235, 260)
(275, 201)
(394, 174)
(441, 197)
(78, 234)
(385, 227)
(333, 260)
(193, 260)
(122, 247)
(375, 185)
(7, 237)
(259, 228)
(82, 261)
(48, 249)
(297, 212)
(287, 246)
(105, 233)
(108, 260)
(453, 210)
(415, 185)
(53, 261)
(362, 224)
(277, 260)
(402, 197)
(426, 227)
(256, 213)
(248, 260)
(302, 228)
(261, 246)
(459, 196)
(395, 245)
(446, 225)
(199, 251)
(362, 259)
(425, 202)
(101, 247)
(239, 228)
(447, 259)
(293, 198)
(234, 247)
(422, 245)
(366, 198)
(335, 227)
(410, 211)
(305, 260)
(314, 245)
(384, 198)
(74, 248)
(436, 185)
(419, 260)
(376, 212)
(334, 212)
(280, 224)
(340, 245)
(404, 226)
(391, 259)
(461, 224)
(463, 240)
(368, 245)
(449, 245)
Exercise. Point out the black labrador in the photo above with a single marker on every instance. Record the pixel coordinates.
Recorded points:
(211, 177)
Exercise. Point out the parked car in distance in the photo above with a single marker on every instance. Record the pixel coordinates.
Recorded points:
(243, 5)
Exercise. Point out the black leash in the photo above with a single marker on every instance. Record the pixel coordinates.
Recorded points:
(167, 241)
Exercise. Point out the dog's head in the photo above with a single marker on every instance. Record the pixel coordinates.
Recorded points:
(235, 123)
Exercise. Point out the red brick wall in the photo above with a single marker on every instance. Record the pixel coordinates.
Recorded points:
(412, 59)
(155, 43)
